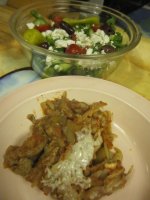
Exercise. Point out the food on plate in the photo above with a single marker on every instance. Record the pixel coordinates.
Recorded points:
(70, 152)
(93, 35)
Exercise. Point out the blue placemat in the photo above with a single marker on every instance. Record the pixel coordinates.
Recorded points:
(15, 80)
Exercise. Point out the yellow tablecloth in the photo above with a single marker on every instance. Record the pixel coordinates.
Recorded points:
(134, 70)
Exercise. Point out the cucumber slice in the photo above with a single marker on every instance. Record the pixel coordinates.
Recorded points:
(63, 67)
(49, 71)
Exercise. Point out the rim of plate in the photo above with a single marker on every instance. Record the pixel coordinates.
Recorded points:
(114, 90)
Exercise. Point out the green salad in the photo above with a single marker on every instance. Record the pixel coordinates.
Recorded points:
(88, 36)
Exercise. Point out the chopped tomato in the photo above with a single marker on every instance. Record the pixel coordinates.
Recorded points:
(57, 19)
(43, 27)
(95, 27)
(75, 49)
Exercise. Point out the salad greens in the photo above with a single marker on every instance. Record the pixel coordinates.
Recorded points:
(39, 19)
(86, 36)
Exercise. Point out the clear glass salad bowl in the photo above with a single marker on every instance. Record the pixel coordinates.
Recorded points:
(49, 63)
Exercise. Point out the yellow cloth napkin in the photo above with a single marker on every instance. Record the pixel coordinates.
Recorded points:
(134, 70)
(11, 54)
(140, 56)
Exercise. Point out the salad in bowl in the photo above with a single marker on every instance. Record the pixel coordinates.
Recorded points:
(74, 38)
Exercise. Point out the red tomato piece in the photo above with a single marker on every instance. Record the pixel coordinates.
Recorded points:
(75, 49)
(95, 27)
(57, 19)
(43, 27)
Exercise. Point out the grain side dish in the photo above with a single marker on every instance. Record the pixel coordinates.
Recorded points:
(70, 153)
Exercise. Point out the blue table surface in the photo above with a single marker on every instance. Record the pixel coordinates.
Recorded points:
(17, 79)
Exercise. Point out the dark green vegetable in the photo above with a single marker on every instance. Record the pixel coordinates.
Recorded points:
(97, 47)
(111, 22)
(50, 40)
(39, 19)
(117, 39)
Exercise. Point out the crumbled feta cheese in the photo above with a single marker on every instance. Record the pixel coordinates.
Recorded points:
(89, 51)
(50, 48)
(92, 65)
(59, 34)
(96, 52)
(99, 37)
(56, 67)
(52, 23)
(30, 25)
(112, 64)
(103, 52)
(63, 43)
(82, 39)
(49, 60)
(46, 33)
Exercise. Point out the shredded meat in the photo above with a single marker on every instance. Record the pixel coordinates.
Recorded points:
(51, 140)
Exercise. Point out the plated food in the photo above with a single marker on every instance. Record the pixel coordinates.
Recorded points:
(70, 152)
(130, 122)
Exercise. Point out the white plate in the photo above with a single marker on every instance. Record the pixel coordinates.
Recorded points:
(131, 122)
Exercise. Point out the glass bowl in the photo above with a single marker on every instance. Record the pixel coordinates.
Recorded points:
(46, 63)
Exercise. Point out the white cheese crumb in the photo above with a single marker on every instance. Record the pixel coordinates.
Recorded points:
(49, 60)
(30, 25)
(47, 33)
(56, 67)
(50, 48)
(96, 52)
(82, 39)
(103, 52)
(59, 34)
(89, 51)
(63, 43)
(52, 23)
(99, 37)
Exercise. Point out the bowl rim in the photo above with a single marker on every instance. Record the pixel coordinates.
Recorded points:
(41, 51)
